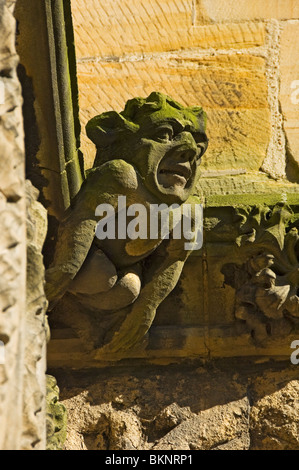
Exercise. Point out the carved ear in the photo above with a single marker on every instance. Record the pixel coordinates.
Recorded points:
(106, 128)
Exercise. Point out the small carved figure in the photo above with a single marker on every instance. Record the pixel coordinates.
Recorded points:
(267, 282)
(150, 154)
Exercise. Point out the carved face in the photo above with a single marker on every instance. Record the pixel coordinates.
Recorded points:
(167, 154)
(161, 138)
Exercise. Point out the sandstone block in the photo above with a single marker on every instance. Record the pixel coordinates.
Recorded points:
(219, 406)
(274, 419)
(152, 26)
(225, 36)
(289, 92)
(138, 26)
(238, 10)
(231, 88)
(210, 429)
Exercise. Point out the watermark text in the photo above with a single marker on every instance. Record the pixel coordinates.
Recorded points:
(295, 93)
(2, 353)
(295, 354)
(154, 222)
(2, 92)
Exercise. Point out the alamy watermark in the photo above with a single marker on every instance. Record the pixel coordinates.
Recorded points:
(156, 221)
(2, 92)
(295, 93)
(2, 353)
(295, 354)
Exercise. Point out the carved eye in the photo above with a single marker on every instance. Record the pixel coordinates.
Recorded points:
(164, 134)
(201, 147)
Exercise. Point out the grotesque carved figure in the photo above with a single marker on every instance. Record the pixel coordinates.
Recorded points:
(267, 281)
(148, 153)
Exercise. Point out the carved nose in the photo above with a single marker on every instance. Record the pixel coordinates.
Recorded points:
(185, 147)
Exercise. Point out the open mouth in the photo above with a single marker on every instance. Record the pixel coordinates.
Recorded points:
(175, 175)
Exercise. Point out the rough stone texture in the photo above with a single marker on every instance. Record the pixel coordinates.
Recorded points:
(12, 240)
(35, 328)
(275, 161)
(274, 416)
(221, 183)
(226, 56)
(22, 300)
(164, 48)
(210, 429)
(230, 87)
(139, 27)
(232, 10)
(56, 417)
(289, 93)
(233, 405)
(152, 26)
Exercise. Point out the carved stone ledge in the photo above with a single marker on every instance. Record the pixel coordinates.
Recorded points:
(247, 267)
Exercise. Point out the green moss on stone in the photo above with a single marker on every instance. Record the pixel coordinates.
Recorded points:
(235, 200)
(56, 421)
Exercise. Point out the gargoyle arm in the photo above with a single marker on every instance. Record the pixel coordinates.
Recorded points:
(76, 232)
(161, 277)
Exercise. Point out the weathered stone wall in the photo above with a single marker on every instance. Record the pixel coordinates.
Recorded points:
(227, 405)
(236, 59)
(36, 330)
(12, 239)
(22, 300)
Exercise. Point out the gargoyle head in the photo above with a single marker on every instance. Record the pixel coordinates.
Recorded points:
(162, 139)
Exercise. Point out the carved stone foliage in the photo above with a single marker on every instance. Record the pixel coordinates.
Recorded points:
(146, 155)
(267, 282)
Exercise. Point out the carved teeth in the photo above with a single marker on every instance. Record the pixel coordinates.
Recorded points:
(173, 172)
(177, 170)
